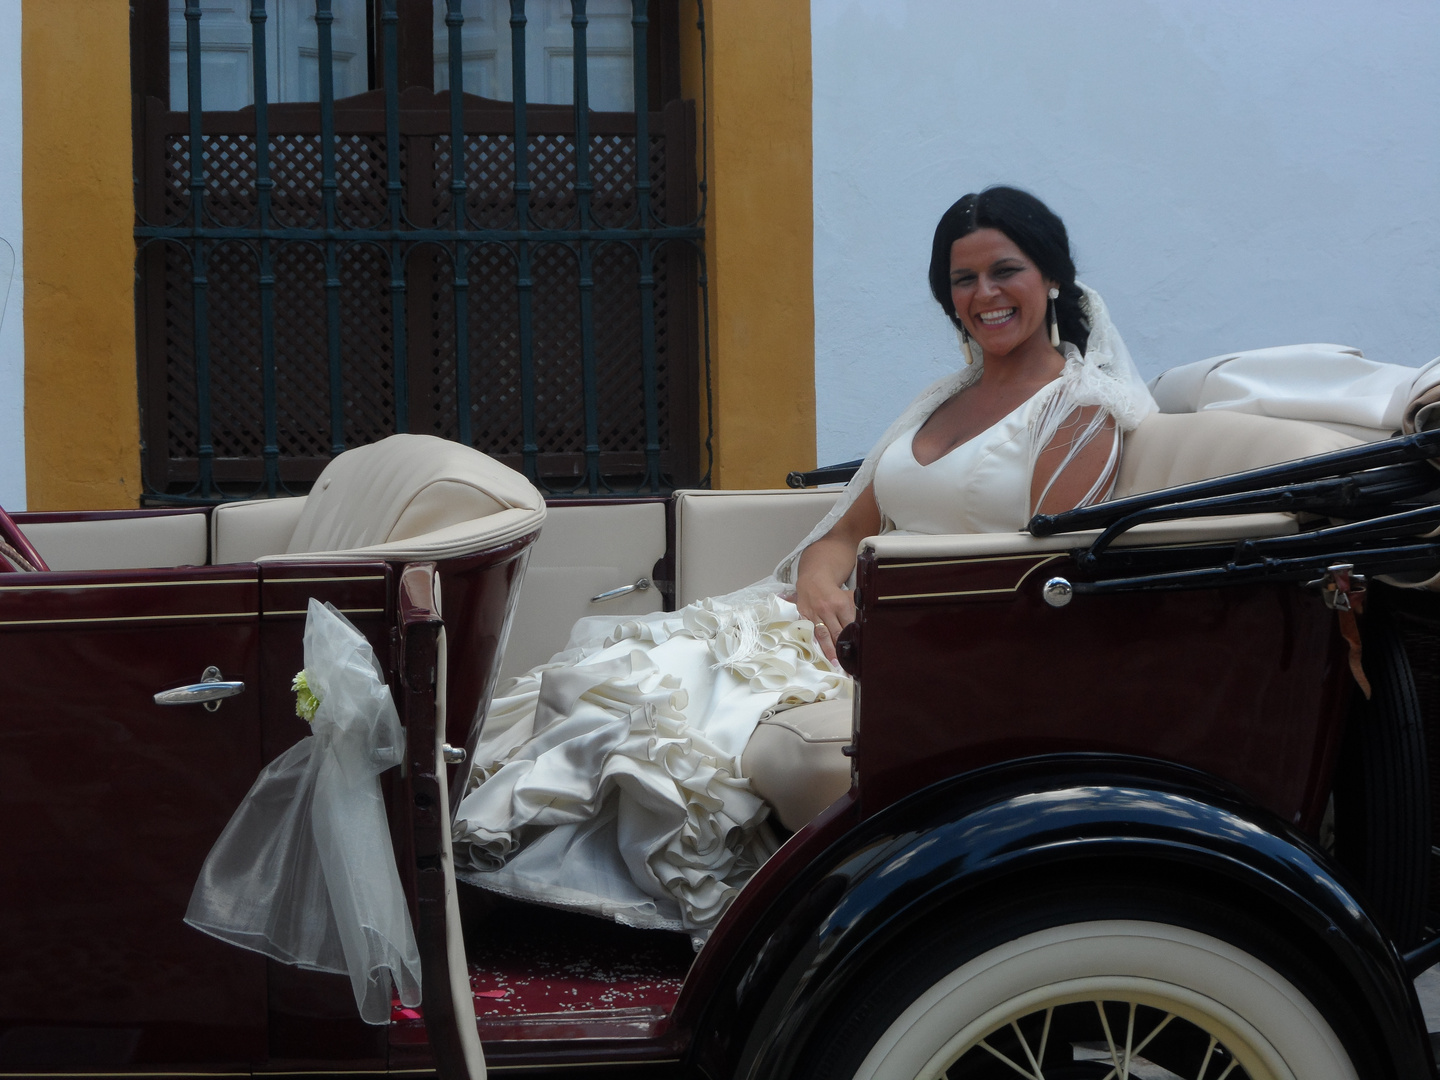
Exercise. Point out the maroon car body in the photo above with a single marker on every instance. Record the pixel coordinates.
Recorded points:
(1227, 703)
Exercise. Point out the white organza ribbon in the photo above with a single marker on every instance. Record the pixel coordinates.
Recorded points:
(305, 872)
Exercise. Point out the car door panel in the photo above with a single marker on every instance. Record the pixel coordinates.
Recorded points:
(111, 803)
(313, 1023)
(584, 550)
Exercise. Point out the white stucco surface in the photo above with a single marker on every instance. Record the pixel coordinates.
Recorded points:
(12, 339)
(1233, 175)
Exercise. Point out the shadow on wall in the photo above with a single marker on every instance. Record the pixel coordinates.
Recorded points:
(7, 271)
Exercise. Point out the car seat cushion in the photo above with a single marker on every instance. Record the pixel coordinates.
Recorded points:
(795, 759)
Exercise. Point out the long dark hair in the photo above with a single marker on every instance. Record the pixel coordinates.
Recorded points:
(1034, 228)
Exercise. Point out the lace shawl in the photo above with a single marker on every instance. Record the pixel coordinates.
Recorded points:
(1104, 376)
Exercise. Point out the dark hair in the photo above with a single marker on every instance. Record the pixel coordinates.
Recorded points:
(1034, 229)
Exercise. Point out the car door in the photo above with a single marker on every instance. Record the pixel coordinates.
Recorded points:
(110, 803)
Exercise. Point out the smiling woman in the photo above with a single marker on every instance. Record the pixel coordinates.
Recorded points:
(1033, 422)
(1037, 237)
(1002, 295)
(1010, 278)
(613, 779)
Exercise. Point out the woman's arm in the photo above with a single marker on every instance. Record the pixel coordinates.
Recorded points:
(1062, 479)
(826, 565)
(1066, 476)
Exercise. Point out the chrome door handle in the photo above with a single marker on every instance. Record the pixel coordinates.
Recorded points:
(209, 691)
(623, 590)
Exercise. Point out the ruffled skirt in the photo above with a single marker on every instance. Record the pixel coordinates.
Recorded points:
(608, 780)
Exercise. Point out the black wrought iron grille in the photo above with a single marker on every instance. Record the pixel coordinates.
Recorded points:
(525, 278)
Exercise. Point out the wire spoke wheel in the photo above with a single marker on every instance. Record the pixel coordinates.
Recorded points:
(1108, 999)
(1109, 1029)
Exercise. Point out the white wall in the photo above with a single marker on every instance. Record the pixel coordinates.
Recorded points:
(12, 340)
(1233, 174)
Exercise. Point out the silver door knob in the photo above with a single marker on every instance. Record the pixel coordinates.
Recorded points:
(209, 691)
(453, 755)
(1057, 592)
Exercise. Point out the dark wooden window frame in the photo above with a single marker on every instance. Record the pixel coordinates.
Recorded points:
(288, 282)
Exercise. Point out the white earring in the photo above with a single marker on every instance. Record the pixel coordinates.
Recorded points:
(1054, 322)
(964, 344)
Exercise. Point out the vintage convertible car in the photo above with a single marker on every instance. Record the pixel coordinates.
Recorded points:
(1119, 806)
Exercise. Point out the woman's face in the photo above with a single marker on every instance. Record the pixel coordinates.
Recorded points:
(999, 293)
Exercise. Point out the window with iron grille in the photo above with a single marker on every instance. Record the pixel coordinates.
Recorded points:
(334, 246)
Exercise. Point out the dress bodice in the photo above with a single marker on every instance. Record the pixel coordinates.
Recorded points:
(982, 485)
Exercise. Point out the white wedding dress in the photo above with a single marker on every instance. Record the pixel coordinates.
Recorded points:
(608, 780)
(980, 486)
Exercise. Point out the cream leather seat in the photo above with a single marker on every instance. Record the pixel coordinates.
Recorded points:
(724, 540)
(406, 498)
(1170, 449)
(794, 758)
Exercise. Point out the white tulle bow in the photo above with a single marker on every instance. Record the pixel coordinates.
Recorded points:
(305, 872)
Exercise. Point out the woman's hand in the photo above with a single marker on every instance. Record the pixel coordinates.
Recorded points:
(826, 565)
(830, 607)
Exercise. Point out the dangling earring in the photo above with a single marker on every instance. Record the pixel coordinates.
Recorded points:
(1054, 322)
(964, 344)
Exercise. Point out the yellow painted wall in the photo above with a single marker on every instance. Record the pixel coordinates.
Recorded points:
(81, 399)
(82, 425)
(759, 234)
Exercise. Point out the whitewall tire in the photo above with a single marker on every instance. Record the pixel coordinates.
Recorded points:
(1149, 975)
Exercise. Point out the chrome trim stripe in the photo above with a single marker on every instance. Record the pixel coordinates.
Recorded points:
(942, 595)
(343, 610)
(334, 579)
(970, 592)
(966, 562)
(130, 585)
(133, 619)
(310, 581)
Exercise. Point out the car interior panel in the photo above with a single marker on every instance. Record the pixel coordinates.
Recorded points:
(119, 539)
(708, 560)
(244, 531)
(586, 558)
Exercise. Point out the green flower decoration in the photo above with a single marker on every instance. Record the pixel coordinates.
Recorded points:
(306, 701)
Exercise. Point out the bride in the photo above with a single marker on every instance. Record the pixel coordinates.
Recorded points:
(609, 780)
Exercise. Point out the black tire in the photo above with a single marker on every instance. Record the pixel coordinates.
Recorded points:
(1238, 993)
(1382, 790)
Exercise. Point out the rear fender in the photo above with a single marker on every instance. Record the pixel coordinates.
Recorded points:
(1067, 815)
